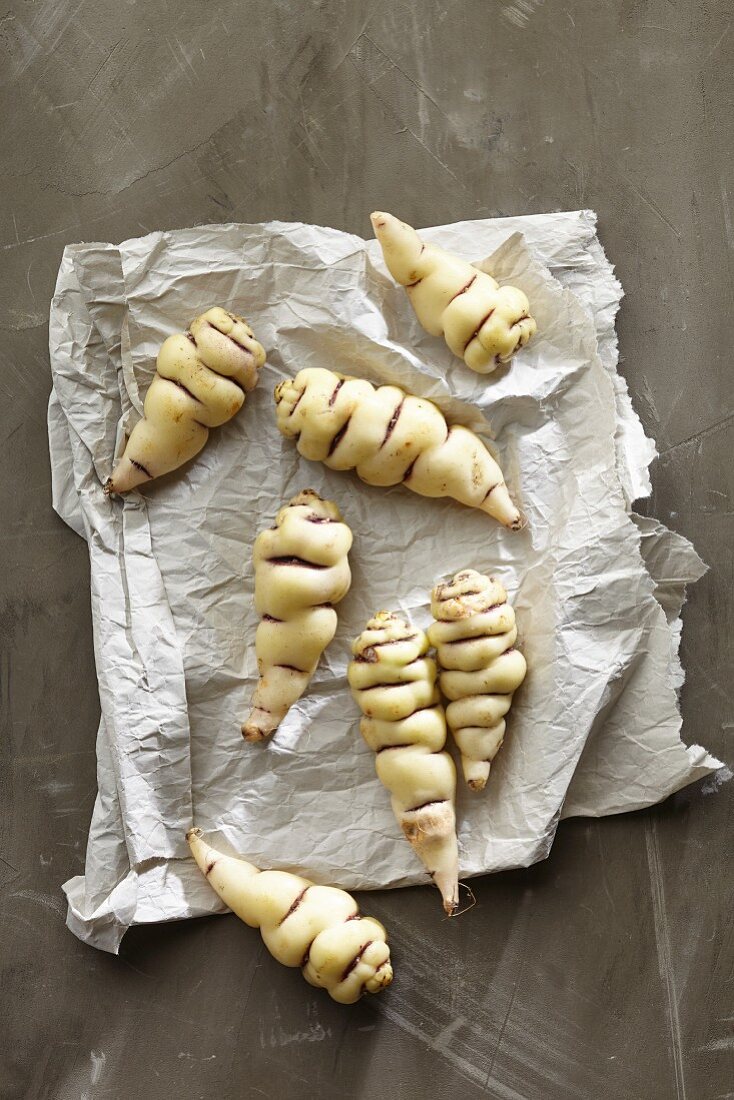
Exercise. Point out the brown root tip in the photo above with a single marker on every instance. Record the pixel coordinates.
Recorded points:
(518, 524)
(383, 977)
(193, 831)
(253, 734)
(477, 784)
(449, 888)
(108, 488)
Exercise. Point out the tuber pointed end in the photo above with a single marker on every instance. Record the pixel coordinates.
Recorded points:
(476, 773)
(401, 247)
(382, 977)
(389, 230)
(499, 505)
(448, 884)
(107, 488)
(127, 475)
(205, 857)
(252, 734)
(258, 726)
(450, 905)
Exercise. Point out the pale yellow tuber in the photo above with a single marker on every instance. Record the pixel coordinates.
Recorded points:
(301, 571)
(394, 685)
(483, 323)
(474, 635)
(390, 437)
(202, 378)
(317, 928)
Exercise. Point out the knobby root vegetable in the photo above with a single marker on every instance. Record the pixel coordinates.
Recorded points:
(474, 635)
(318, 928)
(301, 571)
(394, 685)
(201, 380)
(483, 323)
(390, 437)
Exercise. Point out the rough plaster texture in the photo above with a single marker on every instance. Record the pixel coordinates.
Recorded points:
(603, 973)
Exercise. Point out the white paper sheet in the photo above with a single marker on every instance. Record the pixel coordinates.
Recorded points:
(595, 728)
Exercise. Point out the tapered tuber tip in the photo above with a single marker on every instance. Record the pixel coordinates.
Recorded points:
(476, 773)
(389, 230)
(259, 725)
(127, 475)
(107, 487)
(194, 831)
(450, 905)
(449, 887)
(499, 505)
(382, 977)
(252, 734)
(255, 729)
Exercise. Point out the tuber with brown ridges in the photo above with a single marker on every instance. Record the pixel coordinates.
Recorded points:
(480, 668)
(390, 437)
(301, 571)
(318, 928)
(202, 378)
(394, 685)
(483, 323)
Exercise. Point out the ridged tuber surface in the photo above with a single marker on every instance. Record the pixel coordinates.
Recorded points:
(318, 928)
(474, 635)
(394, 685)
(483, 323)
(301, 571)
(202, 378)
(390, 438)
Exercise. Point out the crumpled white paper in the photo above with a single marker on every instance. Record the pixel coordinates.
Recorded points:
(598, 591)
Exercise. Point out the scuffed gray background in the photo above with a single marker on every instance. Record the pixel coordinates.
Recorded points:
(603, 973)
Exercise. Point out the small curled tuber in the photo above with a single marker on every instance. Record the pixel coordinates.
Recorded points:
(202, 378)
(317, 928)
(474, 635)
(482, 322)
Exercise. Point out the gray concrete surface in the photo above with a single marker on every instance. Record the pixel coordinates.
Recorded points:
(605, 972)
